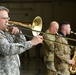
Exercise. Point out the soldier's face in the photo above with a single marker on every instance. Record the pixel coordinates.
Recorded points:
(3, 19)
(68, 29)
(55, 29)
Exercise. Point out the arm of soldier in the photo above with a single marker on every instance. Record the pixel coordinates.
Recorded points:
(7, 48)
(20, 38)
(17, 34)
(60, 51)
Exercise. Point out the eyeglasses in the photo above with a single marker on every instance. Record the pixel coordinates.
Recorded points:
(5, 18)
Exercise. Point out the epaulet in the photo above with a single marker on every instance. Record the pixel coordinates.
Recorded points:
(1, 36)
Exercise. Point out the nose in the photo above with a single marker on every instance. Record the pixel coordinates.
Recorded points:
(6, 21)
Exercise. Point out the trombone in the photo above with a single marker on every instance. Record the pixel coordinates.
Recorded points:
(36, 28)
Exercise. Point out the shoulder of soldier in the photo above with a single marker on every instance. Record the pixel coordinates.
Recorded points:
(48, 34)
(59, 38)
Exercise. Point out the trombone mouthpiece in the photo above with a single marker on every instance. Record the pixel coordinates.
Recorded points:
(73, 32)
(8, 25)
(57, 33)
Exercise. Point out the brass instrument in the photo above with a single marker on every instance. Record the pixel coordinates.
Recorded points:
(36, 28)
(36, 25)
(73, 32)
(73, 67)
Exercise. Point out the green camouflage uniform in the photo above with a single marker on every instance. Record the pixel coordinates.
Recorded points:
(62, 56)
(49, 53)
(10, 47)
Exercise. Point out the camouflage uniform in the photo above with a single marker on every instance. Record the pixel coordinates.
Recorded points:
(49, 54)
(10, 47)
(62, 56)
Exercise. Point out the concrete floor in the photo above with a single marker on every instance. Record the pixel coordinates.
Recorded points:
(32, 66)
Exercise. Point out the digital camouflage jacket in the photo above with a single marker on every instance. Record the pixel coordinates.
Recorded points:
(10, 48)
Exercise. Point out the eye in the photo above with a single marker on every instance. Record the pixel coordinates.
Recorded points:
(6, 18)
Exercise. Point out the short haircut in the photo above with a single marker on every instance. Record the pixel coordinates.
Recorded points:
(53, 23)
(3, 8)
(64, 22)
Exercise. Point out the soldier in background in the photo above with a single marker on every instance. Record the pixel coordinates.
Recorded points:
(49, 48)
(62, 51)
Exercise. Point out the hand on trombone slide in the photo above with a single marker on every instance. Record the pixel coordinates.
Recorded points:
(36, 40)
(12, 30)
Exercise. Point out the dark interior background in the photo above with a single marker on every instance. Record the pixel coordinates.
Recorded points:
(25, 11)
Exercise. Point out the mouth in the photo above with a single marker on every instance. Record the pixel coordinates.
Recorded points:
(5, 26)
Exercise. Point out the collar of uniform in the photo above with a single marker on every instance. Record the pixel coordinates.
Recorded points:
(62, 34)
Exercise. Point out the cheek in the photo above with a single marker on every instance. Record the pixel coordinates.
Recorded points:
(69, 30)
(55, 31)
(2, 24)
(1, 21)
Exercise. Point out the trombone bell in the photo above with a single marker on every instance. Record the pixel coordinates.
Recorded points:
(37, 26)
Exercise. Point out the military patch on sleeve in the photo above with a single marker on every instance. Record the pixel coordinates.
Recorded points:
(1, 36)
